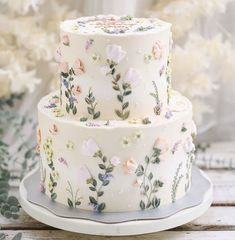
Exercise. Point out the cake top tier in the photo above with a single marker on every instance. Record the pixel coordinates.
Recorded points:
(113, 25)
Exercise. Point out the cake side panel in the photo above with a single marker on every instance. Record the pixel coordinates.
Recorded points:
(116, 169)
(118, 71)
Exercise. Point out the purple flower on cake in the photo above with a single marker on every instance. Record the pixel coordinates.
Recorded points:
(129, 166)
(115, 53)
(65, 82)
(63, 161)
(90, 147)
(89, 43)
(157, 51)
(168, 114)
(162, 69)
(58, 54)
(92, 124)
(176, 146)
(107, 176)
(65, 40)
(115, 160)
(162, 145)
(64, 67)
(78, 67)
(132, 77)
(188, 145)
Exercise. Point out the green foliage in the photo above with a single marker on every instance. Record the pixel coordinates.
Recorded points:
(150, 186)
(176, 182)
(123, 90)
(73, 200)
(91, 101)
(106, 168)
(157, 109)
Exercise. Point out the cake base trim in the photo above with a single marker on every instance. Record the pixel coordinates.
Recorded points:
(201, 185)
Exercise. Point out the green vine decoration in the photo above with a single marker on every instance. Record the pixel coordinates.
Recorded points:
(73, 201)
(123, 89)
(189, 168)
(103, 180)
(67, 79)
(150, 186)
(54, 175)
(91, 101)
(158, 107)
(18, 236)
(176, 181)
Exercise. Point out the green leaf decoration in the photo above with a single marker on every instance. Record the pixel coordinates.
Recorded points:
(100, 193)
(70, 203)
(105, 182)
(142, 205)
(155, 95)
(150, 184)
(92, 200)
(13, 201)
(92, 189)
(92, 104)
(7, 214)
(125, 105)
(120, 98)
(53, 196)
(101, 207)
(101, 166)
(77, 203)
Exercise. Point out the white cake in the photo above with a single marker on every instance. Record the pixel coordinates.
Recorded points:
(115, 137)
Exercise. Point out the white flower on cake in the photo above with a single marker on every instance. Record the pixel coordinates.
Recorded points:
(132, 77)
(115, 160)
(5, 84)
(90, 147)
(188, 145)
(64, 67)
(65, 40)
(130, 166)
(162, 145)
(78, 67)
(115, 53)
(105, 70)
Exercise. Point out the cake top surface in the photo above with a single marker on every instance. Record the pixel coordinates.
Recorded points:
(113, 25)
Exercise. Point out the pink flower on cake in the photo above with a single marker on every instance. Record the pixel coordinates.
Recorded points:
(188, 145)
(115, 53)
(78, 67)
(157, 51)
(64, 67)
(77, 90)
(115, 160)
(65, 40)
(162, 145)
(132, 77)
(138, 182)
(129, 166)
(90, 147)
(54, 130)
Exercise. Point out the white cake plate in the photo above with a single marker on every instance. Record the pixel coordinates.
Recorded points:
(116, 229)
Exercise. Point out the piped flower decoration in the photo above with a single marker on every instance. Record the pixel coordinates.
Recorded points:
(64, 67)
(115, 53)
(77, 90)
(157, 51)
(65, 40)
(115, 161)
(132, 77)
(162, 145)
(78, 67)
(54, 130)
(129, 166)
(90, 147)
(189, 145)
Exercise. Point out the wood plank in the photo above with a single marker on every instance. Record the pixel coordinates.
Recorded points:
(216, 218)
(167, 235)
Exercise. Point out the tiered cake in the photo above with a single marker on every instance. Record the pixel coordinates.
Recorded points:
(115, 137)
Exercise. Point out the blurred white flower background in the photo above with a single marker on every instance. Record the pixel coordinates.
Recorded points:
(203, 54)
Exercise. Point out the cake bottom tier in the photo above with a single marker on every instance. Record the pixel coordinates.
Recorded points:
(115, 166)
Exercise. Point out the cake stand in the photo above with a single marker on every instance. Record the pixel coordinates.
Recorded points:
(114, 229)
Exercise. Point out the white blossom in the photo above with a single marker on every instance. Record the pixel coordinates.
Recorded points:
(90, 147)
(115, 53)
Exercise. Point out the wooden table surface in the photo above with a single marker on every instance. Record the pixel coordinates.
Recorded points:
(217, 223)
